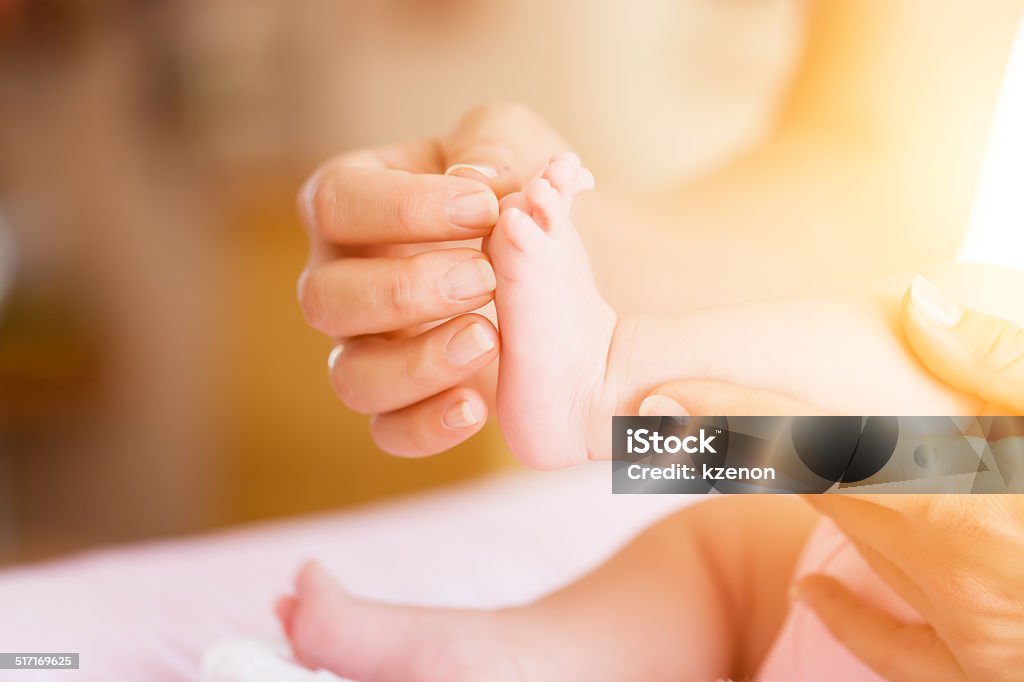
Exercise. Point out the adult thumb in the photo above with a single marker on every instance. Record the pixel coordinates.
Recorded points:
(894, 650)
(502, 144)
(717, 398)
(977, 353)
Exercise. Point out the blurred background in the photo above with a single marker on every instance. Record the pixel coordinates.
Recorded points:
(156, 376)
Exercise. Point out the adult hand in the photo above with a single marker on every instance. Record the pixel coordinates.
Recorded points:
(978, 353)
(955, 559)
(394, 249)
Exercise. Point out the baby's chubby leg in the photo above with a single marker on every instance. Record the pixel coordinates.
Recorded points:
(842, 352)
(370, 642)
(682, 601)
(568, 364)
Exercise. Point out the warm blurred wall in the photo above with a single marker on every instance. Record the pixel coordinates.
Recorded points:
(647, 91)
(107, 423)
(155, 373)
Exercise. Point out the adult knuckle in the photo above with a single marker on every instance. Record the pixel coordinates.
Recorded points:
(408, 213)
(398, 293)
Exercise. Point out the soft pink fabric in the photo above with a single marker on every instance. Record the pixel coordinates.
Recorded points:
(805, 650)
(148, 612)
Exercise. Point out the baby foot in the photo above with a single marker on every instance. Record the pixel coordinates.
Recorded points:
(555, 327)
(330, 629)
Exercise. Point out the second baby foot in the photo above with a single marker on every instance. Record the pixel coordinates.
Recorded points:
(555, 327)
(374, 642)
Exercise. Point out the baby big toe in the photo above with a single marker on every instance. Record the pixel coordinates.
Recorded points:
(584, 181)
(515, 233)
(561, 172)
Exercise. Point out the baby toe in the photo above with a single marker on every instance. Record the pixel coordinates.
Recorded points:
(584, 181)
(547, 205)
(515, 234)
(561, 172)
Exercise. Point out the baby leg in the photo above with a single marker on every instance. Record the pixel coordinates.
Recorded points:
(843, 353)
(697, 596)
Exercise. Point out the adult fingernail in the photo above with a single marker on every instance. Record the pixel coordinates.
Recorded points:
(467, 169)
(300, 284)
(332, 359)
(661, 406)
(469, 279)
(307, 196)
(474, 210)
(470, 343)
(459, 416)
(933, 304)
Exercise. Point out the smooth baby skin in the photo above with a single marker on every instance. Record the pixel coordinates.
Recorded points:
(567, 365)
(699, 595)
(555, 328)
(842, 352)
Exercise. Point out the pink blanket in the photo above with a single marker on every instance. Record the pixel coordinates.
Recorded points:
(148, 612)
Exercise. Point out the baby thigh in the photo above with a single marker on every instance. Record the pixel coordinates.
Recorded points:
(699, 595)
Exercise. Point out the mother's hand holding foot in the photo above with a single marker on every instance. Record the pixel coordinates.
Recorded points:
(395, 250)
(956, 559)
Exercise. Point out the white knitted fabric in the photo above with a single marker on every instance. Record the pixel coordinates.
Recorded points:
(257, 660)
